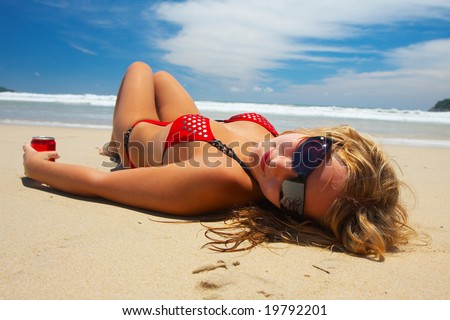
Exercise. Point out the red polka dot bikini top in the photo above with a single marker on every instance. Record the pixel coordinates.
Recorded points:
(195, 127)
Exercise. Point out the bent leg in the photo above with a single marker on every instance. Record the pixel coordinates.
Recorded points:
(135, 101)
(136, 98)
(172, 100)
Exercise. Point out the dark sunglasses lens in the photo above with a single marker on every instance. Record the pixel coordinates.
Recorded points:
(311, 154)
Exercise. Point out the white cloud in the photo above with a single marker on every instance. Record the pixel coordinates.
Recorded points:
(54, 4)
(265, 90)
(421, 75)
(83, 50)
(241, 39)
(102, 14)
(431, 55)
(240, 42)
(236, 89)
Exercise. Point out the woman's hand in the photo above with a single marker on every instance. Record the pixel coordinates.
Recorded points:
(32, 158)
(69, 178)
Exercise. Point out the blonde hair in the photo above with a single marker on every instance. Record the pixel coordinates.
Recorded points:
(366, 219)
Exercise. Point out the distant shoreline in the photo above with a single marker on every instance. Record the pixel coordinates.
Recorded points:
(441, 106)
(4, 89)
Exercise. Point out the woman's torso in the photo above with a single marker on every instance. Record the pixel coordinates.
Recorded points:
(148, 143)
(237, 185)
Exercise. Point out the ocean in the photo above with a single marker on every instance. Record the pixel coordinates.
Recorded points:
(388, 126)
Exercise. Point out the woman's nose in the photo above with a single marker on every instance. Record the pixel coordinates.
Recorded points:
(282, 168)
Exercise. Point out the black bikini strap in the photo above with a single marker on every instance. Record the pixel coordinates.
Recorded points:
(126, 138)
(229, 152)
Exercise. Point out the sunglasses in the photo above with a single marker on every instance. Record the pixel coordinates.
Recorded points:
(309, 155)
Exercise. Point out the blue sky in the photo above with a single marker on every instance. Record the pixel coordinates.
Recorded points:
(371, 53)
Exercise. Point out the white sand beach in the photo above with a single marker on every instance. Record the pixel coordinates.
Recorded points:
(58, 246)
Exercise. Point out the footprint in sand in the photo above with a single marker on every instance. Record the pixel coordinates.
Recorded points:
(213, 282)
(211, 267)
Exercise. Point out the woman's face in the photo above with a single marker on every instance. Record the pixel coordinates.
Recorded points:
(273, 165)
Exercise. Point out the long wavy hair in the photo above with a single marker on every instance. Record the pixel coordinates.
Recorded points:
(366, 219)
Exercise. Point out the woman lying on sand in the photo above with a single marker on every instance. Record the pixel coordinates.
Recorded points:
(329, 187)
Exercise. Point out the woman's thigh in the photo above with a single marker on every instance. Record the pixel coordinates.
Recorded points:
(172, 100)
(135, 100)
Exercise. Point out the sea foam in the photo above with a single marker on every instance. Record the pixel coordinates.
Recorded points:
(402, 115)
(393, 126)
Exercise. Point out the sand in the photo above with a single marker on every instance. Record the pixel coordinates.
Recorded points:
(58, 246)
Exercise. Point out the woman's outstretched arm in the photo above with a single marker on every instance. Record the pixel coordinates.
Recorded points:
(188, 188)
(65, 177)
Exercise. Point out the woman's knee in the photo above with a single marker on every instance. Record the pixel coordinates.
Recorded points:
(162, 77)
(139, 66)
